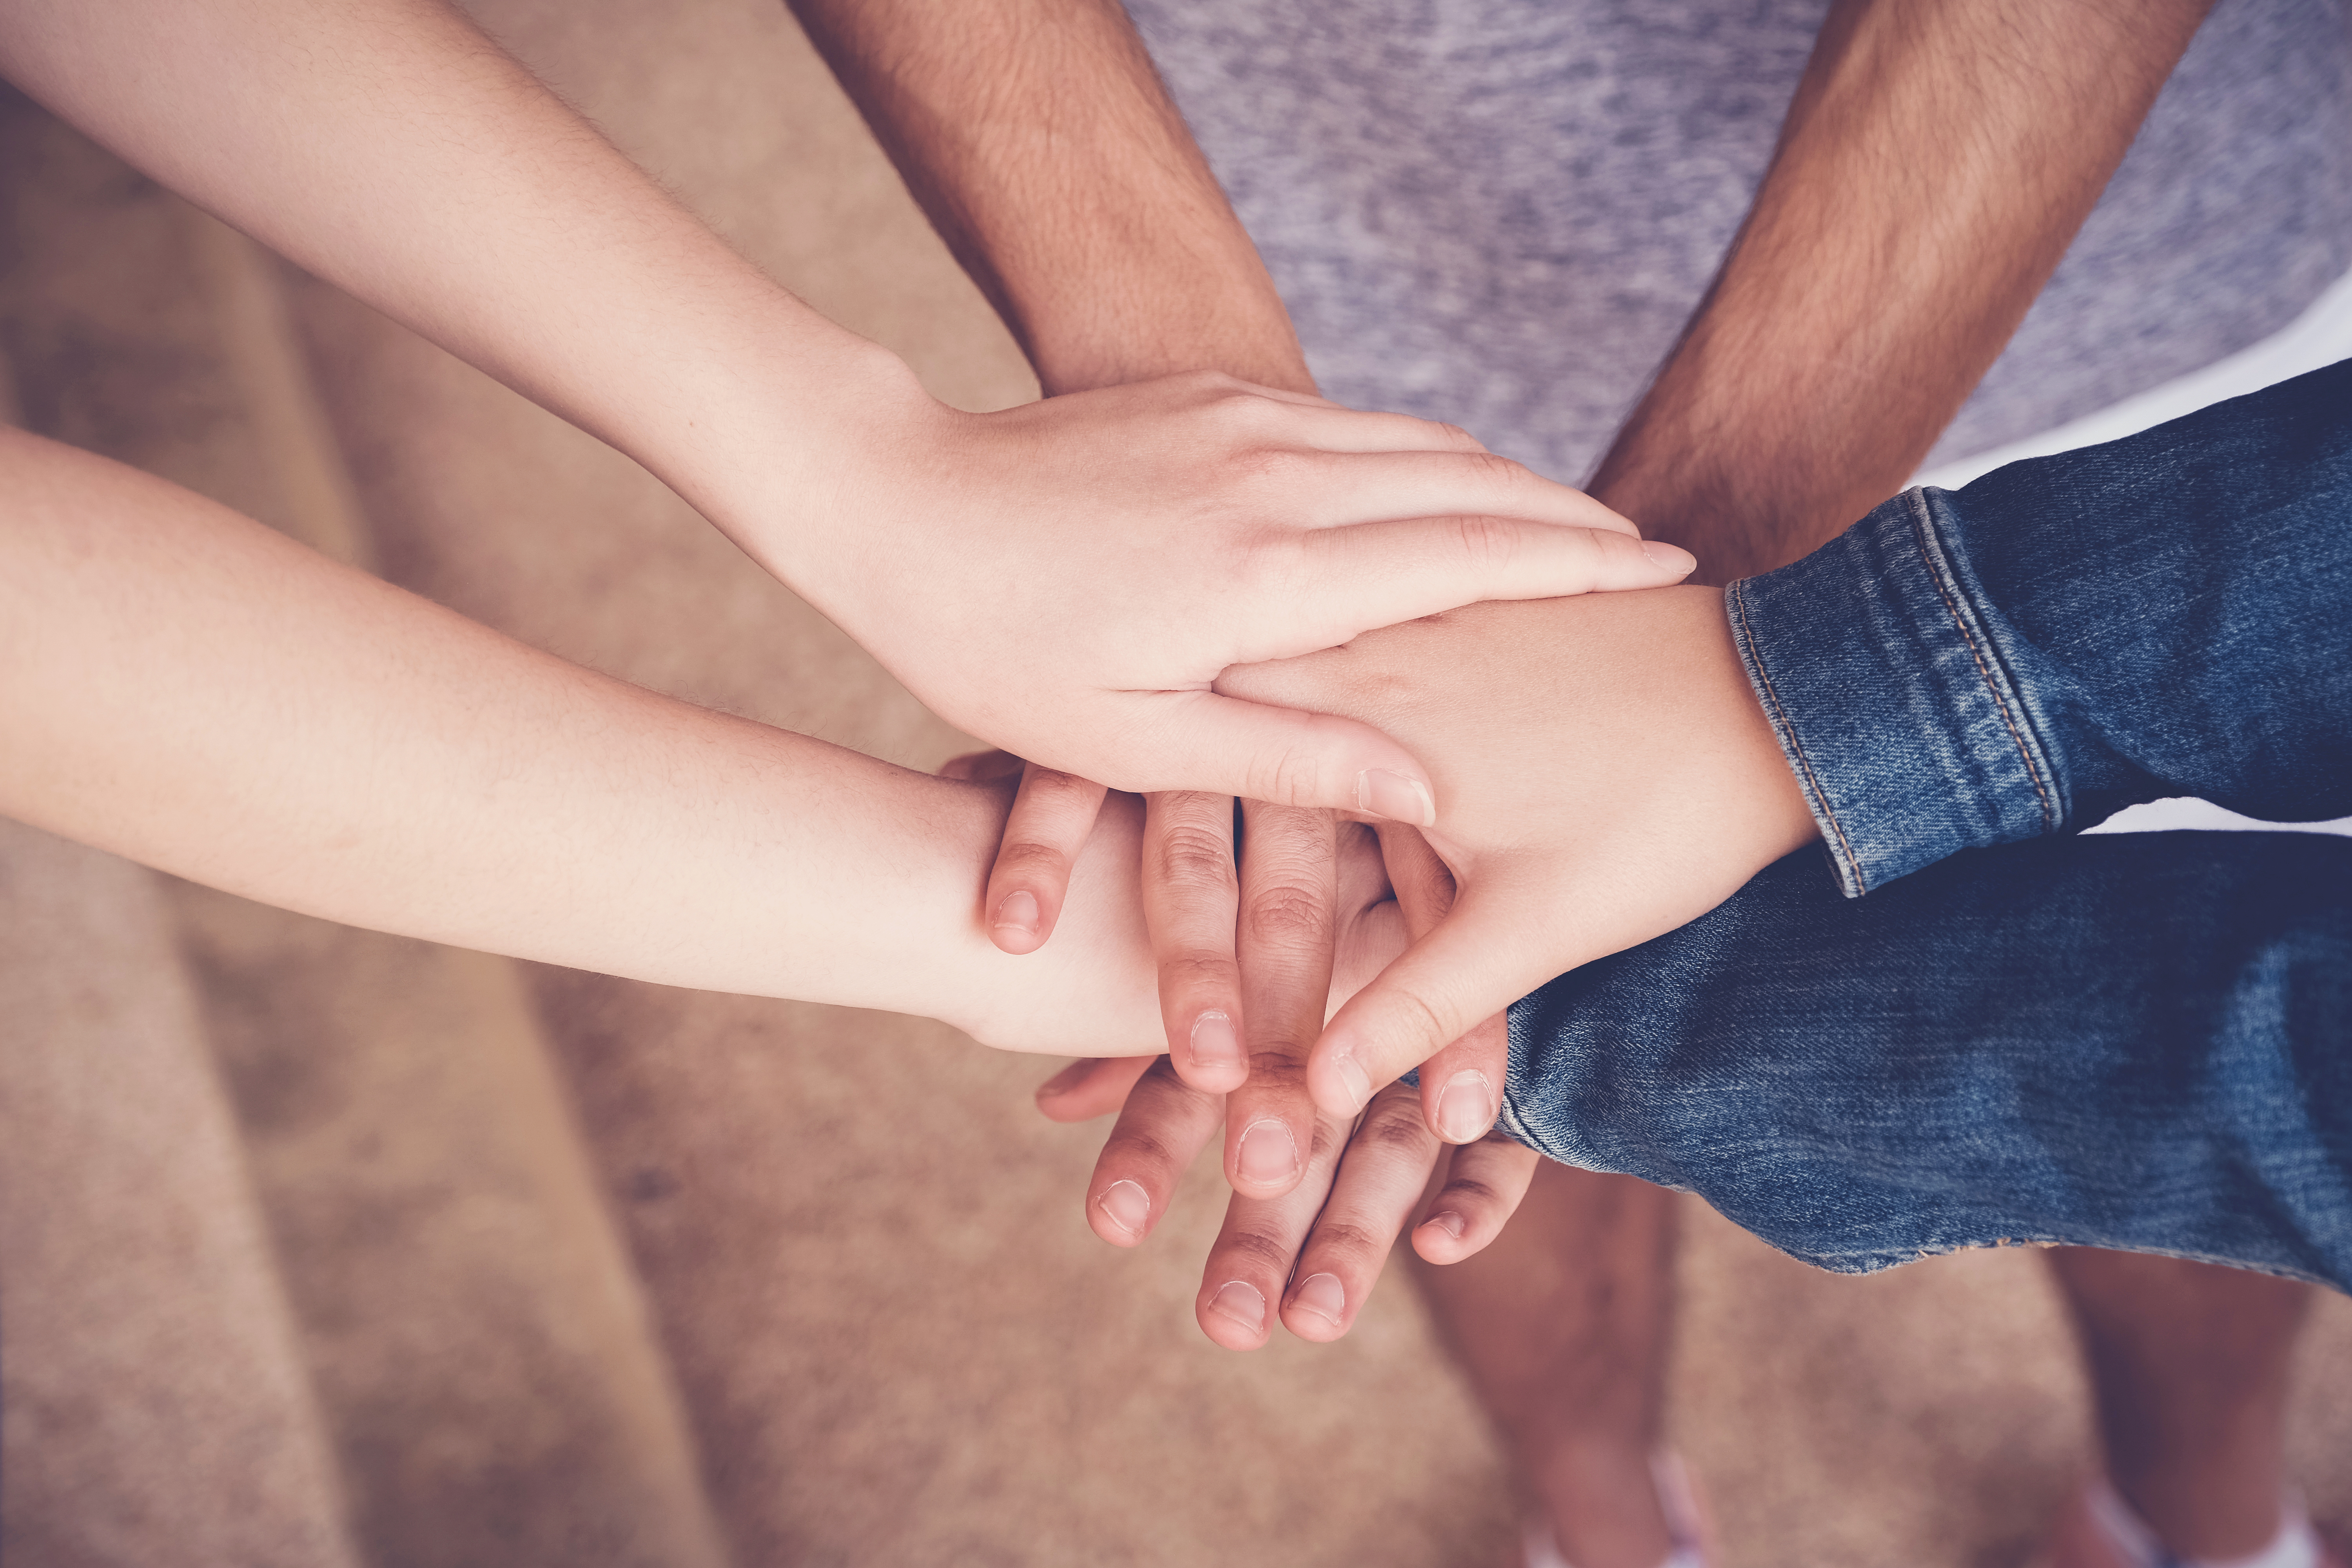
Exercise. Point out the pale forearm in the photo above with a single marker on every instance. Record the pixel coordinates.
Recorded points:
(1935, 166)
(391, 148)
(190, 689)
(1039, 139)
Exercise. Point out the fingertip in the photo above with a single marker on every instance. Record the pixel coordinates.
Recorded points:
(1395, 796)
(1671, 558)
(1266, 1160)
(1464, 1108)
(1234, 1315)
(1318, 1309)
(1020, 922)
(1122, 1213)
(1068, 1078)
(1212, 1059)
(1443, 1238)
(1335, 1077)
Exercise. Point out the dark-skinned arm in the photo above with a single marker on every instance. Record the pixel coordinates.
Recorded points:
(1040, 142)
(1936, 163)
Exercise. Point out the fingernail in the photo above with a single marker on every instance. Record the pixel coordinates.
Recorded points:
(1379, 793)
(1214, 1044)
(1062, 1082)
(1322, 1295)
(1449, 1221)
(1352, 1079)
(1240, 1302)
(1128, 1206)
(1018, 909)
(1673, 557)
(1269, 1154)
(1465, 1107)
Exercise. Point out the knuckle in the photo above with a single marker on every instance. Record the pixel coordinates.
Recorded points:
(1242, 409)
(1135, 1149)
(1397, 1126)
(1490, 541)
(1349, 1239)
(1277, 1073)
(1030, 859)
(1472, 1187)
(1273, 1251)
(1294, 778)
(1193, 856)
(1418, 1018)
(1496, 468)
(1191, 972)
(1289, 915)
(1055, 785)
(1282, 468)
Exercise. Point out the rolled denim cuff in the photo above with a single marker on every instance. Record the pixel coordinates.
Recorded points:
(1903, 725)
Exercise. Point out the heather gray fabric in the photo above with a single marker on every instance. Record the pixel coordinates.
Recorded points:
(1501, 212)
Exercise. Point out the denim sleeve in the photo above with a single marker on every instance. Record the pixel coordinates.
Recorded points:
(2166, 614)
(2136, 1042)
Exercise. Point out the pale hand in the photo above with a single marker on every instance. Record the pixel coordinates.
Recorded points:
(1609, 776)
(1067, 579)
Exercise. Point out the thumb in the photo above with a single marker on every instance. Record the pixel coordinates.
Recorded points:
(1483, 957)
(1204, 741)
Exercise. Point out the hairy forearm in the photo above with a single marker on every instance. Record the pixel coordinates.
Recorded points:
(188, 689)
(1936, 163)
(391, 148)
(1039, 139)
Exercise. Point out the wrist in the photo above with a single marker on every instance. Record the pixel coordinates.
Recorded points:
(1893, 693)
(787, 451)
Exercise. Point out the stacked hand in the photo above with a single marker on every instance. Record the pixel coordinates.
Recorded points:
(1609, 775)
(1067, 578)
(1311, 1252)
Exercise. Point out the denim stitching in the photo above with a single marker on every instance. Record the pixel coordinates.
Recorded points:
(1785, 727)
(1927, 557)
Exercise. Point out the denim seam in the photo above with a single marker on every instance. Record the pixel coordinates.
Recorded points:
(1930, 554)
(1849, 864)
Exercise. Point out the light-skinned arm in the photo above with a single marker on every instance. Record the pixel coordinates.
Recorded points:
(180, 685)
(1064, 579)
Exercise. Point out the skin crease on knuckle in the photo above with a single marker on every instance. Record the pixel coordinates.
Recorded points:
(1491, 543)
(1295, 779)
(1352, 1246)
(1248, 1244)
(1288, 918)
(1029, 859)
(1205, 973)
(1395, 1125)
(1132, 1150)
(1193, 857)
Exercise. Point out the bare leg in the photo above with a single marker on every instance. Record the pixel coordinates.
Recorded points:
(1561, 1325)
(2188, 1363)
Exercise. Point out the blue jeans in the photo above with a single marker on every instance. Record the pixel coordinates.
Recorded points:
(2134, 1042)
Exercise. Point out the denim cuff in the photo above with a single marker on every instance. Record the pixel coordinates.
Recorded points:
(1875, 661)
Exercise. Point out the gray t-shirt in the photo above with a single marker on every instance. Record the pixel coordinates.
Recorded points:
(1502, 212)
